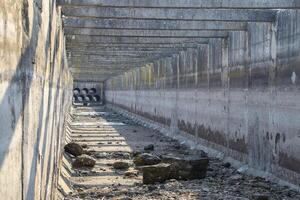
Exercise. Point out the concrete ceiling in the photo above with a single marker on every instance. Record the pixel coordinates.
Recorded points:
(105, 38)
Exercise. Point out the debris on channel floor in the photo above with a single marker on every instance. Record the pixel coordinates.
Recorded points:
(133, 162)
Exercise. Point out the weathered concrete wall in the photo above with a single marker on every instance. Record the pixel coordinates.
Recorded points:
(35, 92)
(238, 95)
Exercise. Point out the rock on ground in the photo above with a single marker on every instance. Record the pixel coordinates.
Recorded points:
(149, 147)
(121, 165)
(84, 161)
(156, 173)
(131, 173)
(187, 168)
(146, 159)
(74, 149)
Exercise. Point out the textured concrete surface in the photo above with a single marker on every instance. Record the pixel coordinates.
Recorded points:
(238, 95)
(224, 73)
(111, 137)
(35, 93)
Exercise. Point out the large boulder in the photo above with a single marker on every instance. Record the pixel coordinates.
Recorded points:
(156, 173)
(74, 149)
(84, 161)
(187, 168)
(146, 159)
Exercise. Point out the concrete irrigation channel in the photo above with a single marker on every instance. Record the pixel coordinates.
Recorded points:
(116, 143)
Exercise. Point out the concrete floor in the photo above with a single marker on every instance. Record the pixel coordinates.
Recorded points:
(110, 137)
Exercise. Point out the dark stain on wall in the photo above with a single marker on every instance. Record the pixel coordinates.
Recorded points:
(215, 80)
(186, 127)
(277, 140)
(289, 162)
(159, 119)
(238, 144)
(259, 77)
(25, 17)
(211, 136)
(156, 118)
(238, 78)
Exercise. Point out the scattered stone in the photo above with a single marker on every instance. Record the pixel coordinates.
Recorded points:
(101, 155)
(149, 147)
(261, 197)
(236, 177)
(85, 146)
(156, 173)
(131, 173)
(89, 152)
(121, 155)
(136, 153)
(74, 149)
(84, 161)
(134, 131)
(203, 154)
(187, 168)
(109, 142)
(177, 146)
(152, 187)
(227, 165)
(146, 159)
(121, 165)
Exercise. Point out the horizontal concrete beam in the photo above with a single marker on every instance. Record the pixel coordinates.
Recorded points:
(99, 70)
(99, 57)
(146, 33)
(131, 40)
(96, 68)
(209, 4)
(78, 51)
(134, 45)
(118, 53)
(92, 76)
(79, 61)
(172, 14)
(151, 24)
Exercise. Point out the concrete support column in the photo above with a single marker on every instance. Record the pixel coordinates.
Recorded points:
(225, 83)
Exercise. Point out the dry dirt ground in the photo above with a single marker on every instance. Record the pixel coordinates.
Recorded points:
(110, 137)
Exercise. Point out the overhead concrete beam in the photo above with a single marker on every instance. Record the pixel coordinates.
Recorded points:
(118, 53)
(82, 61)
(98, 70)
(209, 4)
(118, 57)
(111, 60)
(172, 14)
(95, 76)
(134, 45)
(78, 39)
(83, 51)
(146, 33)
(151, 24)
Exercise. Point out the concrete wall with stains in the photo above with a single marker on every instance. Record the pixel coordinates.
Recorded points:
(238, 95)
(35, 93)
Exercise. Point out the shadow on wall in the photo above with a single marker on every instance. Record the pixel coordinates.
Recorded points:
(22, 80)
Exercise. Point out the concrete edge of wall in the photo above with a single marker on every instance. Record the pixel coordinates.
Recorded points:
(193, 144)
